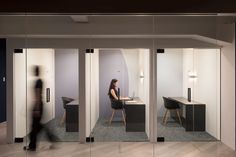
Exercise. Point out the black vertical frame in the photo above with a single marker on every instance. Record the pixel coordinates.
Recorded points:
(2, 80)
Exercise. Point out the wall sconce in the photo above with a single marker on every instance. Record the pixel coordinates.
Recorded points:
(192, 74)
(141, 75)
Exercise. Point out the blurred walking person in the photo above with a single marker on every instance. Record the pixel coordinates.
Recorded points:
(37, 113)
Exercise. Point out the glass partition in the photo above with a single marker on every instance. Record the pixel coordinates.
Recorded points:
(12, 84)
(119, 69)
(52, 81)
(115, 84)
(188, 79)
(3, 108)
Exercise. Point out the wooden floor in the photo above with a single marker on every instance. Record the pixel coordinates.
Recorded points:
(3, 133)
(126, 149)
(118, 149)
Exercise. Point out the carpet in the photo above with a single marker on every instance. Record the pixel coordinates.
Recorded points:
(103, 132)
(60, 131)
(173, 131)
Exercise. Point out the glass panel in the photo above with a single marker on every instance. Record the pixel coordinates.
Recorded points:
(13, 130)
(3, 106)
(52, 95)
(59, 74)
(122, 46)
(188, 78)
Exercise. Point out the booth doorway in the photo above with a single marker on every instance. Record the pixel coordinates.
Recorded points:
(59, 73)
(130, 67)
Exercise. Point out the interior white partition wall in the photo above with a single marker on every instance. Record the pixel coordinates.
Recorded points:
(19, 98)
(208, 87)
(24, 80)
(144, 85)
(131, 57)
(205, 64)
(228, 91)
(92, 90)
(44, 58)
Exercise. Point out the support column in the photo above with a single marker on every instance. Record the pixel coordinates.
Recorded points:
(153, 96)
(9, 89)
(82, 96)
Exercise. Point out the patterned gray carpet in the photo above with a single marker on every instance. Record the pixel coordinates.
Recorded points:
(103, 132)
(60, 131)
(174, 132)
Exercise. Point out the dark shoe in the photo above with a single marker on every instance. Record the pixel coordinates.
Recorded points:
(26, 148)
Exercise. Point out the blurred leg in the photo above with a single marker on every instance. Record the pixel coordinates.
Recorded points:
(36, 127)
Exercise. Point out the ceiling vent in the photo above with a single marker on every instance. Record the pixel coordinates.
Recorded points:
(79, 18)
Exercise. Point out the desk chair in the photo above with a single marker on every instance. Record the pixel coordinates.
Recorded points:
(65, 101)
(117, 106)
(171, 105)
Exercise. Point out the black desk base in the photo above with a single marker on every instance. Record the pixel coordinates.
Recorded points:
(72, 116)
(135, 118)
(194, 118)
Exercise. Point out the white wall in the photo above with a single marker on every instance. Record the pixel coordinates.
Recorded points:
(169, 76)
(188, 67)
(92, 90)
(23, 88)
(19, 93)
(144, 84)
(45, 59)
(228, 94)
(205, 63)
(207, 88)
(66, 77)
(131, 57)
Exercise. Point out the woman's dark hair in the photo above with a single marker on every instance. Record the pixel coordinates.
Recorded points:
(36, 70)
(112, 85)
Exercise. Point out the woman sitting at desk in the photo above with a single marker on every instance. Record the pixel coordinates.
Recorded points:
(114, 95)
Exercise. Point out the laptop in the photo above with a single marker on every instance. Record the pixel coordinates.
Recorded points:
(133, 96)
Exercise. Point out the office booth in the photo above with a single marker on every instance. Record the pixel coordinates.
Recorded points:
(188, 81)
(188, 92)
(152, 57)
(59, 74)
(107, 122)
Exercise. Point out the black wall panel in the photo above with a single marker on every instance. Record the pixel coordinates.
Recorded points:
(119, 6)
(2, 80)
